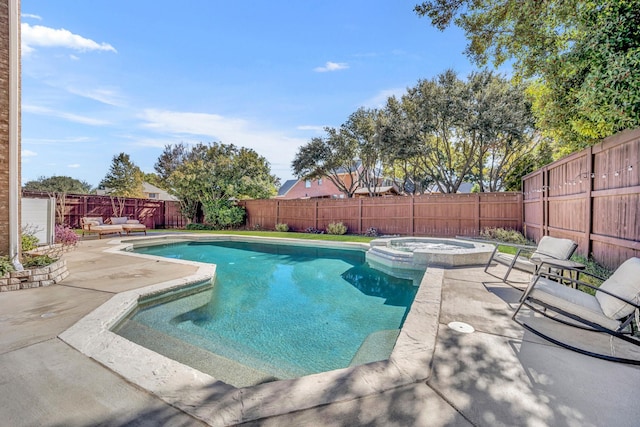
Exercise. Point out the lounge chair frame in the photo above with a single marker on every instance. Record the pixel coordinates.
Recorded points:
(625, 331)
(522, 249)
(99, 229)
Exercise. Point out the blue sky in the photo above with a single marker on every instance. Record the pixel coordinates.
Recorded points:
(103, 77)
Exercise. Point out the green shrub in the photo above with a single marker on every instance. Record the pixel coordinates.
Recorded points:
(504, 235)
(5, 265)
(198, 226)
(29, 239)
(337, 228)
(223, 214)
(283, 228)
(29, 261)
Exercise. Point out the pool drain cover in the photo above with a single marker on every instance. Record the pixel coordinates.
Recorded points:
(465, 328)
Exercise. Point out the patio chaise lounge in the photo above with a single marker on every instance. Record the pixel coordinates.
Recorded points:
(129, 225)
(548, 247)
(611, 310)
(97, 225)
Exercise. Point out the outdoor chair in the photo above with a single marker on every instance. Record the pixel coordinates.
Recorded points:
(97, 225)
(129, 225)
(611, 310)
(548, 247)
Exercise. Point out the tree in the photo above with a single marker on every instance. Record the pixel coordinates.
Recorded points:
(400, 152)
(593, 89)
(499, 117)
(437, 108)
(334, 157)
(209, 173)
(58, 184)
(525, 31)
(445, 131)
(362, 131)
(584, 56)
(124, 178)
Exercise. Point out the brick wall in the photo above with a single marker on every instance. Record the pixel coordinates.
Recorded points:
(4, 126)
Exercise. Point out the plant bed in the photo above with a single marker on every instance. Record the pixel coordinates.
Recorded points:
(34, 277)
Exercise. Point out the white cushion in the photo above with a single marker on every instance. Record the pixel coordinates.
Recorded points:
(119, 220)
(92, 219)
(572, 301)
(91, 223)
(555, 248)
(133, 221)
(625, 282)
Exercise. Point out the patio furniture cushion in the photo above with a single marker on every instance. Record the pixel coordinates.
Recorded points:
(93, 220)
(625, 282)
(573, 301)
(555, 248)
(119, 220)
(132, 221)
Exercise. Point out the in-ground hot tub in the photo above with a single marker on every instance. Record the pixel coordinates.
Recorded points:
(417, 253)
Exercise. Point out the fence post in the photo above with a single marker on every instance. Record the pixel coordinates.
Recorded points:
(477, 214)
(360, 215)
(589, 203)
(277, 212)
(546, 189)
(412, 215)
(315, 215)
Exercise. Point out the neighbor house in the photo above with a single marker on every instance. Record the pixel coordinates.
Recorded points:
(321, 188)
(150, 192)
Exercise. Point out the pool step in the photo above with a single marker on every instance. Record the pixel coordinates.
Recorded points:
(219, 367)
(377, 346)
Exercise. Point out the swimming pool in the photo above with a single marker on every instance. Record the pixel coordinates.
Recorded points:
(275, 311)
(208, 398)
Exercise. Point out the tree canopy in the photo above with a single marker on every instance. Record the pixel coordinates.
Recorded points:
(124, 178)
(203, 174)
(58, 184)
(446, 131)
(582, 55)
(442, 132)
(348, 156)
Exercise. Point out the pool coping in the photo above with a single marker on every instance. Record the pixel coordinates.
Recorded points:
(218, 403)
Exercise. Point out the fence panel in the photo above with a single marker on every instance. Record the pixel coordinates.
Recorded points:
(150, 212)
(430, 215)
(592, 197)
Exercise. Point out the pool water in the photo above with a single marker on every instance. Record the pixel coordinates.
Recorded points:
(280, 310)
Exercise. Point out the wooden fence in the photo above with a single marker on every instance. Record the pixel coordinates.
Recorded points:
(591, 197)
(152, 213)
(439, 215)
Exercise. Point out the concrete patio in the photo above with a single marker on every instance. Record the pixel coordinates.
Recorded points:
(497, 375)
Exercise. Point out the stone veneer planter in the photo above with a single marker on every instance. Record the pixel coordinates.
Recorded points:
(34, 277)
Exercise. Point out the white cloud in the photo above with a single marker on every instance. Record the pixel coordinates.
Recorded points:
(42, 36)
(28, 153)
(312, 128)
(331, 66)
(52, 141)
(73, 166)
(105, 96)
(31, 15)
(380, 99)
(34, 109)
(278, 148)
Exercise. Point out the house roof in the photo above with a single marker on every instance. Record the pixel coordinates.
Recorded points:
(465, 187)
(379, 190)
(288, 185)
